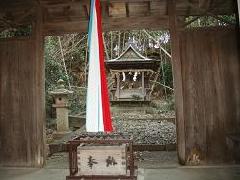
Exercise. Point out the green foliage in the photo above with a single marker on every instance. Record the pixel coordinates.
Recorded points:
(168, 76)
(136, 97)
(164, 105)
(54, 70)
(170, 103)
(77, 101)
(206, 21)
(229, 18)
(16, 32)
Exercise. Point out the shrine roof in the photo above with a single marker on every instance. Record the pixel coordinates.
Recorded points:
(130, 54)
(131, 58)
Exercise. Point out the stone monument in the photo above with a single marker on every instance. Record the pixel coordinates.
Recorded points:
(61, 104)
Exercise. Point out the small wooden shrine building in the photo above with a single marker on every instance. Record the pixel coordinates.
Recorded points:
(130, 74)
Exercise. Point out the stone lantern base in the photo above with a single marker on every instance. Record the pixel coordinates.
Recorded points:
(60, 135)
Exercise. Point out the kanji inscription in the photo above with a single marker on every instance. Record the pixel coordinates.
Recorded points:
(91, 161)
(110, 161)
(102, 160)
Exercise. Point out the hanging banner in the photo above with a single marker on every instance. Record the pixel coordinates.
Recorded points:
(98, 117)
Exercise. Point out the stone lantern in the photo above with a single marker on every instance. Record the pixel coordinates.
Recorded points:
(61, 104)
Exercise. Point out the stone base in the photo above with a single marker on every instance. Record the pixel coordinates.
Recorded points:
(60, 135)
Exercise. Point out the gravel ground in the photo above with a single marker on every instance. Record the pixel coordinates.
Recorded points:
(144, 128)
(57, 161)
(134, 115)
(159, 132)
(148, 131)
(157, 159)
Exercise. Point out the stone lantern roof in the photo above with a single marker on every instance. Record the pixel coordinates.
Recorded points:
(61, 90)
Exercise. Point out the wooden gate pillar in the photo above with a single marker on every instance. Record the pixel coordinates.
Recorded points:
(177, 76)
(22, 99)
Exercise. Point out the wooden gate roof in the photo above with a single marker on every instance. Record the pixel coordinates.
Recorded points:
(66, 16)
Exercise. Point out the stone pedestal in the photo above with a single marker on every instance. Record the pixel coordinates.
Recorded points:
(62, 118)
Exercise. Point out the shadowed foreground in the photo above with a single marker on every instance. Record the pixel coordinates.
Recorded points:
(181, 173)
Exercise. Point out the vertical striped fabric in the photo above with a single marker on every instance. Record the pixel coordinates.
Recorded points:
(98, 118)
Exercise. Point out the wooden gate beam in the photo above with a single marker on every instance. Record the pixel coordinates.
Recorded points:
(178, 84)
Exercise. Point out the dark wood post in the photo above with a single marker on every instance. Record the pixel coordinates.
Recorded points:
(131, 158)
(118, 85)
(178, 84)
(39, 87)
(143, 87)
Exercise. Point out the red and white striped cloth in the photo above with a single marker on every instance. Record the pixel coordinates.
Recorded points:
(98, 116)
